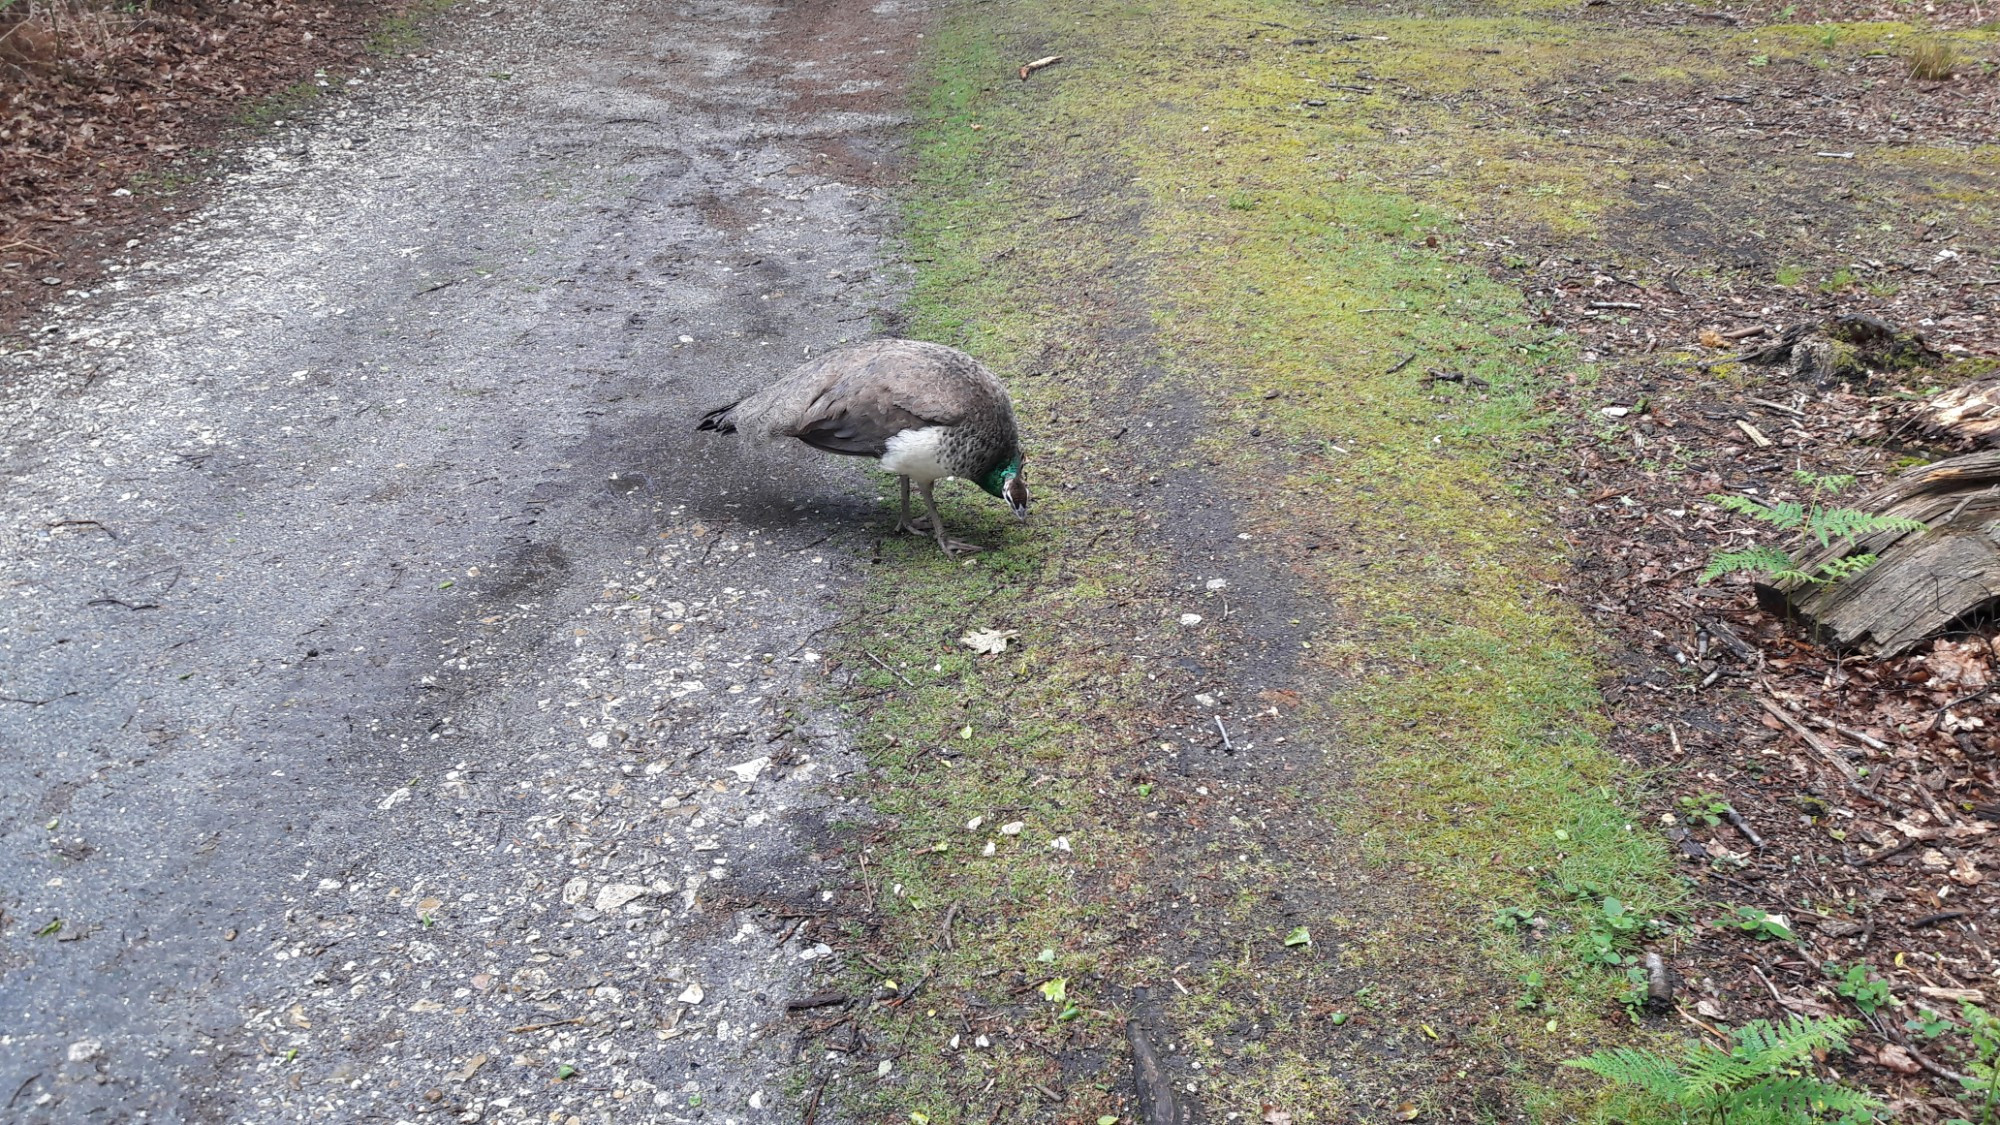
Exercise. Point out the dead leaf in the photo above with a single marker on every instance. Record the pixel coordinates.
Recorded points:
(989, 641)
(1896, 1059)
(1710, 338)
(1962, 664)
(1275, 1116)
(1407, 1111)
(298, 1016)
(472, 1066)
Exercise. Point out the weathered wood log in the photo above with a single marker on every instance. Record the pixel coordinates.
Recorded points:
(1970, 414)
(1924, 580)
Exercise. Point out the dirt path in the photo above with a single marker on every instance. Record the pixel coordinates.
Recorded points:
(397, 696)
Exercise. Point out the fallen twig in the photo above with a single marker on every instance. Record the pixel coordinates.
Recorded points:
(1038, 64)
(1938, 919)
(1886, 853)
(528, 1027)
(1737, 822)
(1227, 746)
(1812, 740)
(886, 668)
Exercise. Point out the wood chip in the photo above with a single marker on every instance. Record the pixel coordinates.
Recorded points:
(1756, 435)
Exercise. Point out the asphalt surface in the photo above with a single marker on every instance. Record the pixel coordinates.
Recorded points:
(404, 709)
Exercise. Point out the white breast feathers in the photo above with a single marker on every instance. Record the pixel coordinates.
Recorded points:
(914, 454)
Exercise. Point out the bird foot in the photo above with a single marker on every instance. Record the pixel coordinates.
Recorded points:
(954, 548)
(920, 526)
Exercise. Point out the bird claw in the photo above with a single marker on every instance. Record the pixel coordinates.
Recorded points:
(954, 548)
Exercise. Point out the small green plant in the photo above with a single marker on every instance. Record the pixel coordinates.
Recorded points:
(1789, 276)
(1240, 201)
(1982, 1077)
(1513, 918)
(1611, 934)
(1842, 278)
(1766, 1077)
(1534, 989)
(1760, 925)
(1705, 810)
(1811, 518)
(1853, 982)
(1638, 991)
(1928, 1025)
(1760, 60)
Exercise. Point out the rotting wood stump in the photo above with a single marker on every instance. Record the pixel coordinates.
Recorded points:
(1924, 581)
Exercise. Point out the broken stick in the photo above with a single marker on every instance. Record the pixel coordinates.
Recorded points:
(1038, 64)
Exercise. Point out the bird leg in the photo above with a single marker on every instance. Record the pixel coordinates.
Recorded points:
(951, 547)
(904, 523)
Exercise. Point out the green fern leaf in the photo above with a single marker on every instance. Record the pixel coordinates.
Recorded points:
(1829, 524)
(1785, 514)
(1767, 560)
(1710, 1071)
(1741, 505)
(1648, 1070)
(1794, 1098)
(1771, 1046)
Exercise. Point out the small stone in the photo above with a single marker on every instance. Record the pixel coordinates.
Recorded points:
(1190, 620)
(692, 994)
(883, 1068)
(576, 890)
(84, 1050)
(1012, 828)
(1615, 411)
(1205, 699)
(1218, 583)
(973, 824)
(612, 896)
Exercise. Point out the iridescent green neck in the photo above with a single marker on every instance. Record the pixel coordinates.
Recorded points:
(994, 481)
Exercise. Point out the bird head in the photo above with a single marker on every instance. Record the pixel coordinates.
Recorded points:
(1007, 483)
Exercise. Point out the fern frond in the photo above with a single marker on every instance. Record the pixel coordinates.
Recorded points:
(1741, 505)
(1648, 1070)
(1785, 514)
(1794, 1098)
(1830, 484)
(1708, 1071)
(1769, 1045)
(1829, 524)
(1848, 567)
(1767, 560)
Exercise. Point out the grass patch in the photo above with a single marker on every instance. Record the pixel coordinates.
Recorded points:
(1229, 248)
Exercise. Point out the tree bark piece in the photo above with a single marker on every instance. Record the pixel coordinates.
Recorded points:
(1924, 581)
(1155, 1090)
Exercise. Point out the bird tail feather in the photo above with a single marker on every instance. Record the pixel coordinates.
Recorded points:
(720, 419)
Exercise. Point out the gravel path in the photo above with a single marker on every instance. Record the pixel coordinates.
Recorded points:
(402, 710)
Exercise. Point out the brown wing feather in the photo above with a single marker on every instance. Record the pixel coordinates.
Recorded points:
(894, 389)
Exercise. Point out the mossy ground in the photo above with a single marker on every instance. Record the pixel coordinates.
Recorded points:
(1201, 249)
